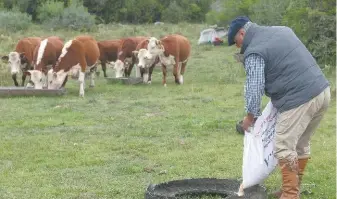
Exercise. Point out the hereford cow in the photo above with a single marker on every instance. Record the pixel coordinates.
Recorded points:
(124, 64)
(45, 56)
(145, 62)
(172, 50)
(108, 51)
(78, 56)
(21, 59)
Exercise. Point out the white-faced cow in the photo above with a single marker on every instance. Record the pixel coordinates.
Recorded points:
(172, 50)
(108, 51)
(45, 56)
(21, 59)
(125, 61)
(145, 61)
(78, 56)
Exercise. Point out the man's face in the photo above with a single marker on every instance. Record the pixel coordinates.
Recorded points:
(238, 39)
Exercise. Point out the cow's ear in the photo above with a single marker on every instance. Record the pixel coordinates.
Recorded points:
(111, 64)
(120, 53)
(135, 53)
(22, 55)
(28, 72)
(5, 58)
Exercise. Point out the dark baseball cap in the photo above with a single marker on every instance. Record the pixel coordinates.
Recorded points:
(235, 26)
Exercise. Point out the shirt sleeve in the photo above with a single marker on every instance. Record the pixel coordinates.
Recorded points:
(255, 84)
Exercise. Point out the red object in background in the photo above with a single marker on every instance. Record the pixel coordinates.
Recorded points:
(217, 41)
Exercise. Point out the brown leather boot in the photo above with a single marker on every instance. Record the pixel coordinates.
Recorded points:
(290, 182)
(301, 167)
(302, 163)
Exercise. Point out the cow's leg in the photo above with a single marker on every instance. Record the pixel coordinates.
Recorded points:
(103, 64)
(176, 71)
(138, 73)
(150, 74)
(163, 67)
(14, 79)
(182, 71)
(92, 76)
(64, 81)
(130, 69)
(23, 79)
(82, 82)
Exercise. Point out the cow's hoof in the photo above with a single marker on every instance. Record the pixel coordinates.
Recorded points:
(149, 82)
(91, 86)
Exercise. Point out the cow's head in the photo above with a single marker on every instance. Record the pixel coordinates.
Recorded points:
(145, 61)
(15, 61)
(56, 79)
(37, 79)
(119, 68)
(155, 46)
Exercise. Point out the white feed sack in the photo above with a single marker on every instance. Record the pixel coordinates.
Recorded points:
(258, 154)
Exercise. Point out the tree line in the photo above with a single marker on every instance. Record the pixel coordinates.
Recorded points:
(314, 21)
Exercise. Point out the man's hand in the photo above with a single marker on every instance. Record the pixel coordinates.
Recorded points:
(248, 121)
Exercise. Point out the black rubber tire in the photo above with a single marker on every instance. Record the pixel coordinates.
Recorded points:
(226, 188)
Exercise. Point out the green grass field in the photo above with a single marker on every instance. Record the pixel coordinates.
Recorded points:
(120, 138)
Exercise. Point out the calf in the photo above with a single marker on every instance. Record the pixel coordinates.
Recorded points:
(173, 50)
(125, 59)
(108, 50)
(78, 56)
(21, 59)
(45, 56)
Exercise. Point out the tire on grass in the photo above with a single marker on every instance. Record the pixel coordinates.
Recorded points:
(225, 188)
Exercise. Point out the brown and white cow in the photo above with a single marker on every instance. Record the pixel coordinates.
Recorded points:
(78, 56)
(173, 50)
(125, 61)
(144, 61)
(108, 52)
(21, 59)
(45, 56)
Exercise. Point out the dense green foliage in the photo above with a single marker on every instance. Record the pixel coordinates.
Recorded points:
(14, 21)
(312, 20)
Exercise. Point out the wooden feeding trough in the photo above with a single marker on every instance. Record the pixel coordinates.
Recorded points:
(124, 80)
(24, 91)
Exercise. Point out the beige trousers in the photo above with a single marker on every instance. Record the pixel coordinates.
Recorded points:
(295, 127)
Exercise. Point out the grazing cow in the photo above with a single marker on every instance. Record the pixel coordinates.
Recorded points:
(145, 62)
(125, 61)
(21, 59)
(173, 50)
(45, 56)
(108, 51)
(78, 56)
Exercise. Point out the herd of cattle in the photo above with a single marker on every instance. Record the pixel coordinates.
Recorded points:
(49, 61)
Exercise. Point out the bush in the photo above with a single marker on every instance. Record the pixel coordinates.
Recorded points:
(49, 10)
(173, 13)
(14, 21)
(75, 17)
